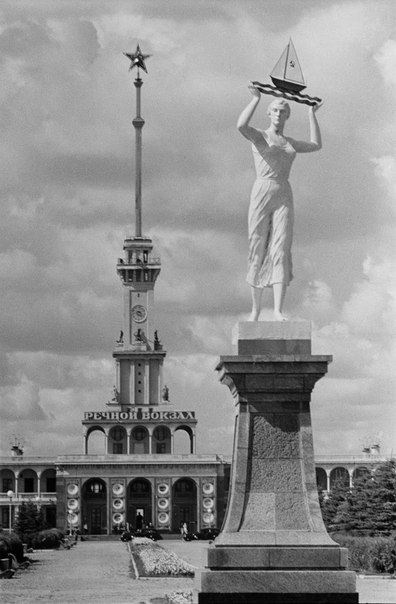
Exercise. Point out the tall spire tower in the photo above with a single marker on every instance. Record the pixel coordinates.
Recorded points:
(138, 353)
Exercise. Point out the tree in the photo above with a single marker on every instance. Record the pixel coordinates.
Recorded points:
(29, 522)
(368, 508)
(383, 503)
(332, 501)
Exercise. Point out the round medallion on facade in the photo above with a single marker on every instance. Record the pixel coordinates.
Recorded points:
(163, 518)
(163, 503)
(139, 313)
(72, 504)
(118, 489)
(72, 489)
(163, 488)
(73, 518)
(208, 518)
(118, 518)
(208, 503)
(208, 488)
(118, 504)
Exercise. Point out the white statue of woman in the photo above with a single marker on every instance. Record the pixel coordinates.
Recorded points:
(271, 201)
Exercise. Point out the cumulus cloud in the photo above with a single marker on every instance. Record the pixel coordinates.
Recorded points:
(67, 151)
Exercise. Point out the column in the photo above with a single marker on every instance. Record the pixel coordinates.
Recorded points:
(350, 472)
(328, 479)
(129, 438)
(132, 394)
(146, 382)
(85, 441)
(38, 484)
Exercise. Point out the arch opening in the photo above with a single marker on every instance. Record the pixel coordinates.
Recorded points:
(96, 441)
(321, 479)
(162, 440)
(139, 442)
(183, 440)
(184, 508)
(139, 503)
(94, 507)
(117, 442)
(339, 477)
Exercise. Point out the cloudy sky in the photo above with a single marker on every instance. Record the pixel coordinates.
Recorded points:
(67, 196)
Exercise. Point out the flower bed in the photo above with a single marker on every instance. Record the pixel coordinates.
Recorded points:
(152, 560)
(180, 597)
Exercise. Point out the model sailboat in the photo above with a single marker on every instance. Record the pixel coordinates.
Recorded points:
(287, 73)
(288, 79)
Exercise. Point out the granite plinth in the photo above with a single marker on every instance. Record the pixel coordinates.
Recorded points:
(327, 558)
(278, 581)
(278, 598)
(274, 546)
(272, 337)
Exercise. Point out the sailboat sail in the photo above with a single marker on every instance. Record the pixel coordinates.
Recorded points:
(287, 72)
(293, 70)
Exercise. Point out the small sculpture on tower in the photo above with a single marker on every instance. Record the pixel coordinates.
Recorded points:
(165, 394)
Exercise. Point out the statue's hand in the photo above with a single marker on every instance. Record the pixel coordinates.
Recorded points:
(253, 90)
(315, 107)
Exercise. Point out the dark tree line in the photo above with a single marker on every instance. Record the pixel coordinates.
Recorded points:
(369, 508)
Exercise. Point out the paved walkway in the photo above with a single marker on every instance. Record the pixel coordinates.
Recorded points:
(93, 571)
(100, 571)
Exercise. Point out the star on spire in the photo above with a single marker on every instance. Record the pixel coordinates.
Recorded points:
(137, 59)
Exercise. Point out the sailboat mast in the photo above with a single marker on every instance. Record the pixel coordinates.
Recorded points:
(286, 61)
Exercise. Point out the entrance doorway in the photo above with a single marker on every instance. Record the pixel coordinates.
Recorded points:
(95, 520)
(94, 507)
(139, 503)
(184, 508)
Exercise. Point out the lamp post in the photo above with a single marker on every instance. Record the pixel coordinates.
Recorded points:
(10, 494)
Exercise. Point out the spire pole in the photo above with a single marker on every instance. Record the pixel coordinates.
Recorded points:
(138, 123)
(138, 60)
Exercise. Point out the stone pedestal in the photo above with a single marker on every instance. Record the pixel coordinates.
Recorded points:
(274, 547)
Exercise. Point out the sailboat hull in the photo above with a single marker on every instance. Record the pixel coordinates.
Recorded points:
(287, 85)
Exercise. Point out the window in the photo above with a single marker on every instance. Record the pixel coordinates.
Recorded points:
(7, 484)
(29, 485)
(183, 486)
(118, 448)
(139, 434)
(51, 484)
(161, 433)
(161, 448)
(117, 434)
(140, 488)
(5, 516)
(96, 487)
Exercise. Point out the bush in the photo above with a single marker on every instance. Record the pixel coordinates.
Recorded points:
(369, 554)
(48, 539)
(11, 544)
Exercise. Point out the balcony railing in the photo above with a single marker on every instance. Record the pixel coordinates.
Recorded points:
(44, 496)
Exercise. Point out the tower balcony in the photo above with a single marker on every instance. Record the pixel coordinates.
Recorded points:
(139, 276)
(141, 264)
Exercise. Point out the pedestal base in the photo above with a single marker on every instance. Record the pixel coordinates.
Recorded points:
(274, 547)
(278, 598)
